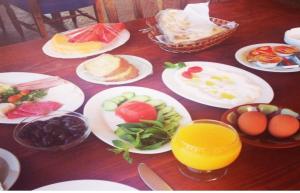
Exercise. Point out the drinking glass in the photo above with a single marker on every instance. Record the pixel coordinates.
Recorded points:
(204, 149)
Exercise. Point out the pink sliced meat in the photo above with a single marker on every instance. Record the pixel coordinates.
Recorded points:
(41, 83)
(33, 109)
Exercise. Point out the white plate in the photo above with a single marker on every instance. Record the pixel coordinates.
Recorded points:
(103, 123)
(144, 67)
(122, 38)
(9, 169)
(241, 54)
(169, 79)
(70, 95)
(84, 185)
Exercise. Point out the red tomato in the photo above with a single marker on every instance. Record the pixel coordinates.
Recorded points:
(195, 69)
(285, 49)
(135, 111)
(24, 92)
(264, 58)
(187, 74)
(14, 98)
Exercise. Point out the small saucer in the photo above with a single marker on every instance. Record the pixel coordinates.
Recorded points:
(9, 169)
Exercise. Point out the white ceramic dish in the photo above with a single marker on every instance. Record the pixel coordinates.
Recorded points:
(122, 38)
(103, 123)
(170, 80)
(87, 185)
(9, 169)
(292, 36)
(70, 95)
(241, 54)
(143, 65)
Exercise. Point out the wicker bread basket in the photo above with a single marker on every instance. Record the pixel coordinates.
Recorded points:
(195, 46)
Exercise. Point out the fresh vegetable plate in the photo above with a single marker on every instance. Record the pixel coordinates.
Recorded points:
(121, 39)
(104, 118)
(216, 84)
(62, 92)
(265, 139)
(143, 66)
(241, 57)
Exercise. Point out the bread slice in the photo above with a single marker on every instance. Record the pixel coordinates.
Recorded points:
(128, 74)
(111, 68)
(103, 65)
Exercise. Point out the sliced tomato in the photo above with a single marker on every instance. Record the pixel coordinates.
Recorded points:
(285, 49)
(24, 92)
(135, 111)
(187, 74)
(264, 49)
(195, 69)
(14, 98)
(269, 58)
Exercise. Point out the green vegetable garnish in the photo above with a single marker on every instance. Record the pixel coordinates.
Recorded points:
(174, 65)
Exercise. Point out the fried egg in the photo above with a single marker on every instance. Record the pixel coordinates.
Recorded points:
(219, 86)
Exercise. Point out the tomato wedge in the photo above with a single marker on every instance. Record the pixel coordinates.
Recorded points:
(285, 49)
(135, 111)
(195, 69)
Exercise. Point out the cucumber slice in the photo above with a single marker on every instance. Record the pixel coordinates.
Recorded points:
(118, 99)
(160, 107)
(246, 108)
(267, 109)
(140, 98)
(166, 110)
(290, 112)
(109, 105)
(155, 102)
(128, 95)
(170, 114)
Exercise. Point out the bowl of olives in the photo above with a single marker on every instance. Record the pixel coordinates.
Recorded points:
(60, 130)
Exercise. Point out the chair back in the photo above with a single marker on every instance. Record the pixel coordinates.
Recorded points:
(125, 10)
(51, 6)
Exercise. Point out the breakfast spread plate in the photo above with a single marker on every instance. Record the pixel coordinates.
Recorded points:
(114, 69)
(265, 125)
(9, 169)
(217, 85)
(142, 119)
(32, 94)
(87, 41)
(271, 57)
(84, 185)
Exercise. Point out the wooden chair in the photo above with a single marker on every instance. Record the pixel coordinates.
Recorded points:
(40, 7)
(140, 7)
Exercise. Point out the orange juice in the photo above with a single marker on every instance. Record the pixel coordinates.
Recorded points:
(206, 145)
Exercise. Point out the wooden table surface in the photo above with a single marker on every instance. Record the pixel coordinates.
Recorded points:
(255, 169)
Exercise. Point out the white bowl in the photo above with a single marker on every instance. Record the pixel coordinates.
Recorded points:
(292, 37)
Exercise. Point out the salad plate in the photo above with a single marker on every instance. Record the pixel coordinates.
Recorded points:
(68, 95)
(87, 185)
(121, 39)
(217, 85)
(265, 138)
(9, 169)
(143, 66)
(241, 57)
(104, 123)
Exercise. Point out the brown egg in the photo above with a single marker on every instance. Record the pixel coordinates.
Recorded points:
(253, 122)
(282, 126)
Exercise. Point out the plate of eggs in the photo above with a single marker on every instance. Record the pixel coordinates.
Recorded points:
(265, 125)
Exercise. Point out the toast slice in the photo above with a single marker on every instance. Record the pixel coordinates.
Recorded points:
(111, 68)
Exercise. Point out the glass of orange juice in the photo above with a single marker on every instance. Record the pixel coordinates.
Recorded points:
(205, 148)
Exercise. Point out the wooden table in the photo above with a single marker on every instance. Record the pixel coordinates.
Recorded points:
(256, 168)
